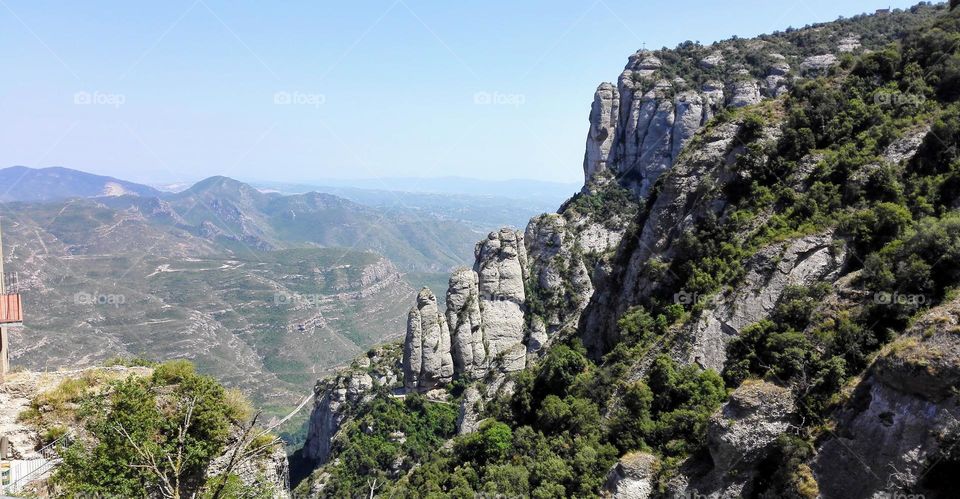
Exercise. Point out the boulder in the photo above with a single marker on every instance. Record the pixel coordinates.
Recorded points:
(633, 477)
(741, 434)
(818, 64)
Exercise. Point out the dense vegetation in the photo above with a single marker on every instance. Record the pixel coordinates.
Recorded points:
(571, 416)
(156, 436)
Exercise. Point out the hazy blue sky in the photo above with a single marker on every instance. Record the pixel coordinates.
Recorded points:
(299, 91)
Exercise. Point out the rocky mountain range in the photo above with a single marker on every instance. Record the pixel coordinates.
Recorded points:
(264, 291)
(752, 296)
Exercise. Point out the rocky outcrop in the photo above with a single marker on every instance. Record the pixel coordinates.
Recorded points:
(901, 417)
(740, 435)
(267, 469)
(336, 397)
(675, 210)
(466, 324)
(559, 275)
(818, 64)
(427, 359)
(471, 405)
(744, 93)
(484, 327)
(633, 477)
(638, 127)
(850, 43)
(501, 267)
(800, 262)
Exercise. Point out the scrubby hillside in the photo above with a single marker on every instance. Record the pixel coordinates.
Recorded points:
(754, 296)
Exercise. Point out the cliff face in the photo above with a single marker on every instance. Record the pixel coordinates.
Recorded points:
(898, 429)
(671, 148)
(335, 398)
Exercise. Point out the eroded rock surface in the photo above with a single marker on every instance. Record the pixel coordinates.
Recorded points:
(633, 477)
(501, 262)
(427, 359)
(900, 417)
(800, 262)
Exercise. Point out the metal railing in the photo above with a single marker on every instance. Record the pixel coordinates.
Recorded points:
(34, 469)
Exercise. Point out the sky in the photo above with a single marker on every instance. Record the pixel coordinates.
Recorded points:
(179, 90)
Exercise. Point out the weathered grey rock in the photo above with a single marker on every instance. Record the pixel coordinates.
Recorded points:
(801, 262)
(427, 359)
(691, 191)
(468, 419)
(558, 271)
(744, 92)
(713, 99)
(656, 151)
(604, 117)
(741, 434)
(466, 324)
(268, 468)
(335, 397)
(818, 64)
(849, 43)
(501, 263)
(712, 61)
(899, 416)
(689, 118)
(633, 477)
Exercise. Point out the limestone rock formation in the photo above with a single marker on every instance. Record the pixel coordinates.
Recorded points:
(559, 276)
(328, 413)
(633, 477)
(903, 414)
(801, 262)
(637, 127)
(744, 93)
(672, 212)
(427, 359)
(466, 324)
(740, 436)
(336, 397)
(818, 64)
(501, 267)
(849, 43)
(741, 433)
(468, 419)
(484, 327)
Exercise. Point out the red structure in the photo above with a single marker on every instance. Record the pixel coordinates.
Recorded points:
(11, 309)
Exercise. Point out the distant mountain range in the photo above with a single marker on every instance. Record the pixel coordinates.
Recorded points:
(220, 214)
(20, 183)
(481, 205)
(262, 289)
